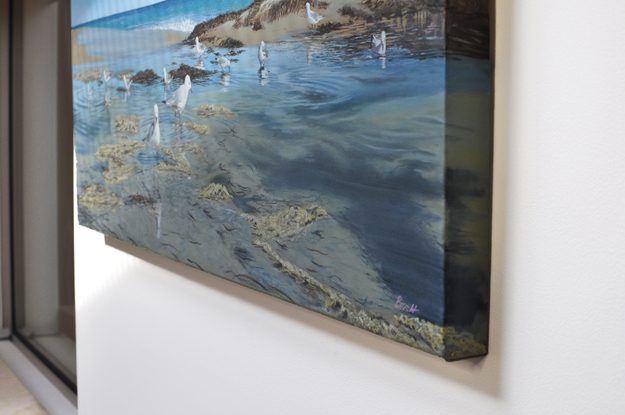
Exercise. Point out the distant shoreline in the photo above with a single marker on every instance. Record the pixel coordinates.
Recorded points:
(355, 20)
(81, 56)
(79, 52)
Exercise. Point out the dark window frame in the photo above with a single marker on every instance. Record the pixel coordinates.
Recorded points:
(12, 271)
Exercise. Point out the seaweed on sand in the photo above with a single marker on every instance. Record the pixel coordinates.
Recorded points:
(146, 77)
(356, 13)
(446, 342)
(231, 43)
(213, 23)
(176, 164)
(90, 75)
(214, 111)
(191, 148)
(287, 223)
(200, 129)
(235, 52)
(117, 171)
(118, 151)
(194, 73)
(126, 124)
(127, 73)
(324, 28)
(140, 200)
(94, 196)
(391, 8)
(215, 191)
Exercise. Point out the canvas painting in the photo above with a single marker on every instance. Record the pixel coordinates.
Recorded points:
(333, 154)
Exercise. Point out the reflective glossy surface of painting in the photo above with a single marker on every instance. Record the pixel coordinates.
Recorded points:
(335, 155)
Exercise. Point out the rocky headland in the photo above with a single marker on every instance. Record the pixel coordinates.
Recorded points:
(464, 27)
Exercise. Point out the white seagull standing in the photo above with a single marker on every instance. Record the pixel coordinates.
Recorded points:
(178, 100)
(167, 77)
(312, 17)
(262, 54)
(127, 83)
(106, 76)
(224, 63)
(199, 48)
(154, 134)
(378, 44)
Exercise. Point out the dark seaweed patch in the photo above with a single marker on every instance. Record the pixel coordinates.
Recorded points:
(194, 73)
(146, 77)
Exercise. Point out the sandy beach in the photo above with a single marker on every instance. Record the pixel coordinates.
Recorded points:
(354, 21)
(160, 38)
(79, 52)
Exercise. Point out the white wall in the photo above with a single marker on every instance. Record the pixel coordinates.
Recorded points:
(155, 337)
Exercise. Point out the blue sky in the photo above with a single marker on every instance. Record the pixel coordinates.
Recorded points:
(84, 11)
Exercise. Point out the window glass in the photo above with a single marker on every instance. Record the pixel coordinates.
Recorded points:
(42, 164)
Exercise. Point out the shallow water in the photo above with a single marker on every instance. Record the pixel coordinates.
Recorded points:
(325, 123)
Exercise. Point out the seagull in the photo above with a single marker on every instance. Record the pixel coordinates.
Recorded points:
(106, 76)
(262, 54)
(312, 17)
(224, 62)
(127, 83)
(178, 99)
(199, 48)
(378, 44)
(167, 77)
(154, 134)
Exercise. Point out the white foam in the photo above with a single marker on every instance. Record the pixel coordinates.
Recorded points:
(186, 25)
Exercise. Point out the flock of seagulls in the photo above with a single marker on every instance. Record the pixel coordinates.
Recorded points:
(178, 99)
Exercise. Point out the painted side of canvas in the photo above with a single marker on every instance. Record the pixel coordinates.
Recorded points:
(335, 154)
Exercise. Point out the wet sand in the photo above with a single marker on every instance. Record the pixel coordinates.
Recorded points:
(81, 56)
(79, 52)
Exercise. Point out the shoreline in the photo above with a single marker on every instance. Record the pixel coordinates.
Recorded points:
(409, 24)
(153, 38)
(80, 55)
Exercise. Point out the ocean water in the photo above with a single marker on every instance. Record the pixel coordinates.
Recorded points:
(325, 122)
(176, 15)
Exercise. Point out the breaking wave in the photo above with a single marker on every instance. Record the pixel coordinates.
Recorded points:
(185, 25)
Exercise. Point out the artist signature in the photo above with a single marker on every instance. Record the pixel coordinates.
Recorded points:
(405, 307)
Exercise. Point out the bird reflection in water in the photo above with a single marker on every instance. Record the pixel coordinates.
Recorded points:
(263, 75)
(225, 79)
